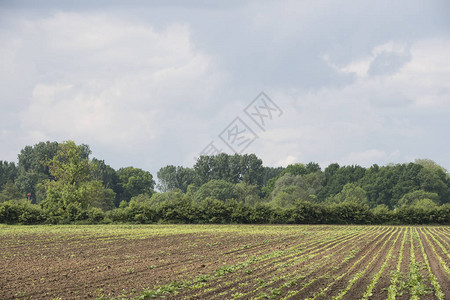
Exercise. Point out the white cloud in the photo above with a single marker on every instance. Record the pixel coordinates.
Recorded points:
(386, 58)
(107, 81)
(423, 76)
(153, 84)
(349, 124)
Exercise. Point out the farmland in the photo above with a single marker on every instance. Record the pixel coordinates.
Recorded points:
(224, 262)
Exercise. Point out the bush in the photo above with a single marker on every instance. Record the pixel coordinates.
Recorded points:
(443, 214)
(21, 211)
(381, 214)
(119, 215)
(210, 211)
(307, 213)
(142, 213)
(95, 215)
(261, 213)
(349, 213)
(176, 211)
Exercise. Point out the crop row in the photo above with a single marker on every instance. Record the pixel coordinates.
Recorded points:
(331, 264)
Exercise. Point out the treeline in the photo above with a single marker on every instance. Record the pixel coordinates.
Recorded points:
(67, 186)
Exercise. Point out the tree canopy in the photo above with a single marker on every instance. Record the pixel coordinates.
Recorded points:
(66, 185)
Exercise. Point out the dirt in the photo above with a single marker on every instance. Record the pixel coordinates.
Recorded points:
(88, 268)
(380, 291)
(77, 266)
(436, 266)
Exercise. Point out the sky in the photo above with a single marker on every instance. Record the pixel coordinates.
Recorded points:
(155, 83)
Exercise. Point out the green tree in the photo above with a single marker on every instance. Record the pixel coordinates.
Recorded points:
(232, 168)
(72, 189)
(290, 188)
(310, 172)
(435, 181)
(105, 174)
(407, 182)
(426, 204)
(171, 177)
(285, 198)
(10, 192)
(336, 177)
(246, 193)
(159, 198)
(32, 167)
(134, 181)
(387, 184)
(351, 193)
(413, 197)
(108, 176)
(296, 169)
(8, 173)
(269, 173)
(430, 165)
(216, 189)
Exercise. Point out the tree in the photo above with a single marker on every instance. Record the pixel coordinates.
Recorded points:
(10, 192)
(134, 181)
(378, 183)
(296, 169)
(32, 168)
(413, 197)
(269, 173)
(217, 189)
(108, 176)
(336, 177)
(407, 182)
(430, 165)
(8, 173)
(171, 177)
(71, 188)
(232, 168)
(382, 214)
(435, 181)
(105, 173)
(351, 193)
(160, 198)
(426, 204)
(246, 193)
(290, 188)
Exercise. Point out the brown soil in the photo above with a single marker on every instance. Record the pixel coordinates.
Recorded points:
(380, 290)
(436, 266)
(278, 267)
(359, 288)
(77, 266)
(86, 268)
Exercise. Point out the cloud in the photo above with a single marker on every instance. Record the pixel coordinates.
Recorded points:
(375, 119)
(103, 80)
(385, 59)
(152, 84)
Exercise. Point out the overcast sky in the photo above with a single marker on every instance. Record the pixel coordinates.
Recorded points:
(152, 83)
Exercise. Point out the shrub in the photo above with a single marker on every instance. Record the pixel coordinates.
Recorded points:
(20, 211)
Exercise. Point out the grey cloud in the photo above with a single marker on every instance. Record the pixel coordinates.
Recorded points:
(233, 51)
(387, 63)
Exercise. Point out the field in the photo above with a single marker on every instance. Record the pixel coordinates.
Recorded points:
(224, 262)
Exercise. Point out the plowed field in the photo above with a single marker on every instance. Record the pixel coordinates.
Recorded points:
(224, 262)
